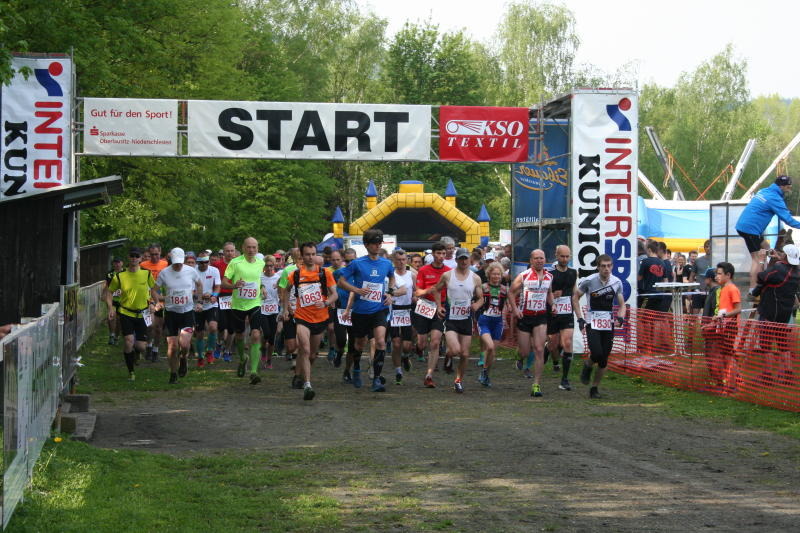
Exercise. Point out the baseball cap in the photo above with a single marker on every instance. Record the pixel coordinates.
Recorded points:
(277, 255)
(177, 255)
(203, 259)
(191, 254)
(711, 273)
(783, 180)
(461, 252)
(135, 251)
(792, 254)
(489, 256)
(428, 259)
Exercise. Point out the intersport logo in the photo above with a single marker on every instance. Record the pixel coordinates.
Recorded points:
(483, 133)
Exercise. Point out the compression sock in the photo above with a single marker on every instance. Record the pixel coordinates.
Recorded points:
(200, 347)
(529, 360)
(566, 360)
(212, 341)
(240, 348)
(255, 352)
(130, 360)
(357, 360)
(377, 363)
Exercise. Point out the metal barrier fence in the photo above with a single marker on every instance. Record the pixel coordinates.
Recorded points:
(749, 360)
(36, 367)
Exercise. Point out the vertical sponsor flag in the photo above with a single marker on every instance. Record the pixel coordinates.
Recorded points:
(604, 183)
(483, 133)
(35, 138)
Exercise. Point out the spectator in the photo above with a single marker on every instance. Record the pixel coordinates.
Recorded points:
(729, 307)
(767, 203)
(703, 262)
(712, 334)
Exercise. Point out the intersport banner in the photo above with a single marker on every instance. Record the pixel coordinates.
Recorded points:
(468, 133)
(287, 130)
(35, 139)
(604, 183)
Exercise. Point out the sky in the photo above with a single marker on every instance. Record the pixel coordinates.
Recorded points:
(664, 39)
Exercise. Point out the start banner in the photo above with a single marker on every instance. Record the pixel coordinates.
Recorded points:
(35, 139)
(468, 133)
(604, 167)
(286, 130)
(122, 126)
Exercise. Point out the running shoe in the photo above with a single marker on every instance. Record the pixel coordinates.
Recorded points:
(382, 380)
(209, 358)
(346, 379)
(131, 376)
(458, 387)
(487, 381)
(308, 393)
(527, 373)
(337, 360)
(586, 374)
(448, 364)
(331, 355)
(377, 386)
(565, 385)
(429, 383)
(254, 379)
(173, 378)
(357, 379)
(183, 367)
(201, 362)
(536, 391)
(406, 363)
(398, 379)
(519, 364)
(226, 356)
(217, 352)
(481, 377)
(269, 364)
(297, 382)
(242, 367)
(593, 394)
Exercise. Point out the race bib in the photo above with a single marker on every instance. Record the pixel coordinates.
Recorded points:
(269, 308)
(401, 318)
(342, 321)
(459, 310)
(310, 294)
(425, 308)
(492, 310)
(117, 293)
(148, 317)
(375, 293)
(563, 305)
(601, 321)
(224, 302)
(248, 291)
(535, 299)
(178, 297)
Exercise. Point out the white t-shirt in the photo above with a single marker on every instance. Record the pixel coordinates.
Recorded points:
(178, 286)
(270, 290)
(405, 280)
(209, 278)
(452, 263)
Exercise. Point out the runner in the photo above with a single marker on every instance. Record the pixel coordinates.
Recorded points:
(113, 325)
(561, 323)
(225, 313)
(178, 283)
(490, 321)
(270, 308)
(243, 277)
(465, 298)
(449, 251)
(536, 286)
(212, 281)
(424, 319)
(368, 274)
(135, 315)
(314, 289)
(341, 328)
(400, 322)
(288, 325)
(155, 265)
(603, 290)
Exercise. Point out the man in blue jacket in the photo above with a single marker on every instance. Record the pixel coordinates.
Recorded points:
(766, 203)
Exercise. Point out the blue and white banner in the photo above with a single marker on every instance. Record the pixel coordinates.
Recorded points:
(35, 136)
(605, 126)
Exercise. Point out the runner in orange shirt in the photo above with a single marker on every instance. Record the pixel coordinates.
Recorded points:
(155, 265)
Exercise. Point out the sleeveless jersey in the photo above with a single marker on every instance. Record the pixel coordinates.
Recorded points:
(534, 292)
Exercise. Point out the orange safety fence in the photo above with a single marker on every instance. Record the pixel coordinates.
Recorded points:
(749, 360)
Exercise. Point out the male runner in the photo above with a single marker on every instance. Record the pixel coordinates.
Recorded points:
(341, 328)
(425, 319)
(465, 298)
(536, 286)
(155, 265)
(113, 325)
(212, 282)
(243, 278)
(178, 283)
(368, 274)
(449, 250)
(561, 324)
(314, 289)
(400, 322)
(225, 314)
(134, 285)
(603, 290)
(288, 324)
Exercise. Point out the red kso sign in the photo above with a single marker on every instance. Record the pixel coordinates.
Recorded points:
(483, 133)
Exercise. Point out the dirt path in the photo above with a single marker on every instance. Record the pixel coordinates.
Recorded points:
(488, 460)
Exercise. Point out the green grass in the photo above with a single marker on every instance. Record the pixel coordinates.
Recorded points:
(80, 488)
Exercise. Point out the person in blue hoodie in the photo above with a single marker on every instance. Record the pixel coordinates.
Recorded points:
(767, 203)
